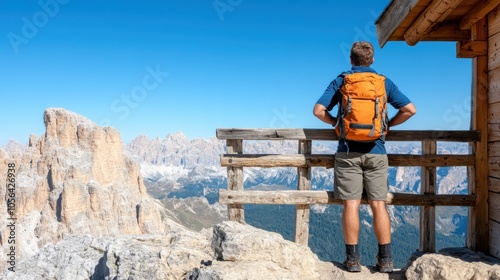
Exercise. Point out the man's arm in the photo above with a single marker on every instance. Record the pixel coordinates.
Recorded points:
(403, 114)
(322, 113)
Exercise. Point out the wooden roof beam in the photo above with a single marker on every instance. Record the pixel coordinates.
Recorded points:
(391, 18)
(435, 13)
(478, 12)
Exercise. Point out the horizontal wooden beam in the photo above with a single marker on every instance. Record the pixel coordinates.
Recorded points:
(435, 13)
(295, 197)
(478, 12)
(447, 31)
(329, 134)
(328, 160)
(471, 49)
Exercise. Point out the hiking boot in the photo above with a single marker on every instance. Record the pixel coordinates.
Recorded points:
(353, 264)
(384, 265)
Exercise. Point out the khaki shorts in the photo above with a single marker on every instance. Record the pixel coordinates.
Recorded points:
(357, 171)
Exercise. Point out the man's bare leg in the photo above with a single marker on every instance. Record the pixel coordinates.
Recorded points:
(381, 221)
(350, 221)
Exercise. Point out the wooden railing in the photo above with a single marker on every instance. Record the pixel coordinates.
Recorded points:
(234, 159)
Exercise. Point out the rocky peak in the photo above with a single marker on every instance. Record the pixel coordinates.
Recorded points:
(176, 139)
(76, 180)
(65, 126)
(14, 147)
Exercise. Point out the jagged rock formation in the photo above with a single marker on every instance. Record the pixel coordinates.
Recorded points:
(74, 179)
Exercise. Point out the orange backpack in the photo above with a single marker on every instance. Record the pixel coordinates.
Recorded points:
(362, 113)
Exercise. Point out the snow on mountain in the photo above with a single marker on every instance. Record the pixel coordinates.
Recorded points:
(166, 172)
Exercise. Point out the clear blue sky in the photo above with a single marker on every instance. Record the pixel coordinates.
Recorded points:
(158, 67)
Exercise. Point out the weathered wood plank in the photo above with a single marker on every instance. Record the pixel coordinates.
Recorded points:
(493, 149)
(398, 34)
(328, 160)
(494, 52)
(430, 160)
(494, 86)
(494, 206)
(302, 212)
(294, 197)
(268, 160)
(392, 16)
(235, 181)
(493, 132)
(493, 113)
(470, 49)
(434, 14)
(494, 184)
(494, 167)
(329, 134)
(478, 12)
(428, 213)
(276, 134)
(494, 244)
(494, 21)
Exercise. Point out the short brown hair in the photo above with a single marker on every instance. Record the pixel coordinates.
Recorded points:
(362, 53)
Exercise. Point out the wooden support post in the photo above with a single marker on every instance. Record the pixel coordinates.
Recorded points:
(235, 180)
(302, 211)
(428, 213)
(478, 228)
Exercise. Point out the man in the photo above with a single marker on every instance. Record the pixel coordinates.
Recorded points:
(363, 165)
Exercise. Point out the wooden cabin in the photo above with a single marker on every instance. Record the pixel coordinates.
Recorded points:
(475, 27)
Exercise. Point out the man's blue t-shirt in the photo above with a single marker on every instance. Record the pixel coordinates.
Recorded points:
(331, 98)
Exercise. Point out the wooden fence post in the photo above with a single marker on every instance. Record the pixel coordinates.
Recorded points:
(428, 213)
(302, 211)
(235, 212)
